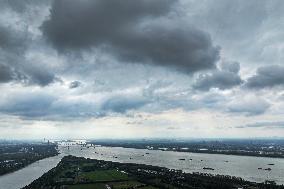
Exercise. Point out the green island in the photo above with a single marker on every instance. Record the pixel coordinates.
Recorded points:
(81, 173)
(16, 156)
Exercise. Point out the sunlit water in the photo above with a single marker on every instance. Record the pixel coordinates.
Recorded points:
(240, 166)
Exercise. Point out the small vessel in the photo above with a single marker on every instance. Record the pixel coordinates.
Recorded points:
(270, 164)
(259, 168)
(181, 159)
(268, 169)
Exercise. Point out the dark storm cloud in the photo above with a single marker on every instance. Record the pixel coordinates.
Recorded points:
(12, 40)
(225, 78)
(25, 74)
(132, 31)
(83, 23)
(13, 64)
(267, 77)
(6, 74)
(5, 37)
(35, 75)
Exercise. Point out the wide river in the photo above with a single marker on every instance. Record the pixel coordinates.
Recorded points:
(240, 166)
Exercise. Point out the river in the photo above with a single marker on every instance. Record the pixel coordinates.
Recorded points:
(240, 166)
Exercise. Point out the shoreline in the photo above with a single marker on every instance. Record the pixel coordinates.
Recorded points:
(19, 156)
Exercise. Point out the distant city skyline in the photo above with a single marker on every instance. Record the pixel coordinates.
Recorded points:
(141, 69)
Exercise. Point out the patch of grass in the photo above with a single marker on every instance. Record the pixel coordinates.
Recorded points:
(114, 185)
(125, 184)
(148, 187)
(87, 186)
(104, 175)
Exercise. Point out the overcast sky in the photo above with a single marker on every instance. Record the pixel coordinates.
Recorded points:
(138, 69)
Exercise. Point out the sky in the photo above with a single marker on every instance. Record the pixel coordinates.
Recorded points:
(141, 69)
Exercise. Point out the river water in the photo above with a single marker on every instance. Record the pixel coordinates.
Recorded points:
(240, 166)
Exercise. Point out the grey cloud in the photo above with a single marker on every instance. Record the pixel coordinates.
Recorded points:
(225, 78)
(7, 74)
(131, 32)
(5, 38)
(267, 77)
(35, 75)
(121, 104)
(273, 124)
(16, 39)
(162, 97)
(75, 84)
(21, 6)
(27, 75)
(250, 106)
(249, 31)
(27, 105)
(35, 105)
(82, 23)
(12, 40)
(213, 100)
(234, 19)
(14, 67)
(173, 128)
(233, 67)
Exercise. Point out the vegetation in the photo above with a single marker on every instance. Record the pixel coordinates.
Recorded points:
(104, 175)
(80, 173)
(17, 156)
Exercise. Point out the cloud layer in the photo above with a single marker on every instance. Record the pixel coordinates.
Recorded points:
(133, 32)
(224, 78)
(267, 77)
(199, 66)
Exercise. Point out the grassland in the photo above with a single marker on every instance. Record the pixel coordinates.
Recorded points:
(104, 175)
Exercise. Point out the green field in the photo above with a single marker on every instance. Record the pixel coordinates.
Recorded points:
(87, 186)
(125, 184)
(114, 185)
(104, 175)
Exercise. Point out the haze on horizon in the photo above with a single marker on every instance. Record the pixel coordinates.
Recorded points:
(141, 69)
